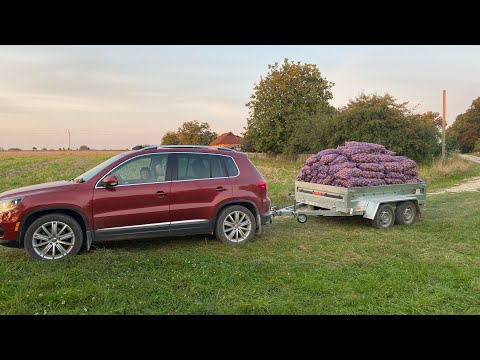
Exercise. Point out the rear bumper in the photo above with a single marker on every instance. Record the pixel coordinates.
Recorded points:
(265, 218)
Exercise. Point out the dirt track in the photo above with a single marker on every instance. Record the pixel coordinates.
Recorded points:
(471, 185)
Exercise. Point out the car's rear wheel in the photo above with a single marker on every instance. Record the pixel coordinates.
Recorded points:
(52, 237)
(235, 225)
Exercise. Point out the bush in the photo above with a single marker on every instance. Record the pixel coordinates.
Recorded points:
(477, 146)
(383, 120)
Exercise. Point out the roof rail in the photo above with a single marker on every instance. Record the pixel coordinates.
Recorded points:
(149, 148)
(188, 146)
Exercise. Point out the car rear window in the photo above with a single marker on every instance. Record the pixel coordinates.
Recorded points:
(231, 166)
(218, 170)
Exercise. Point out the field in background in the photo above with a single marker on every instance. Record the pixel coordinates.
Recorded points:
(22, 168)
(28, 153)
(325, 266)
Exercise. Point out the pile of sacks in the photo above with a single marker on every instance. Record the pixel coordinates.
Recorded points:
(359, 164)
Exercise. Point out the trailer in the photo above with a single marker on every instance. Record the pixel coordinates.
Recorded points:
(384, 205)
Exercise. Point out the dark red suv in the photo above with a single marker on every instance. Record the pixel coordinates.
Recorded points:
(148, 193)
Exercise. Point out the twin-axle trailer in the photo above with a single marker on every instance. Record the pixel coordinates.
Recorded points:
(384, 205)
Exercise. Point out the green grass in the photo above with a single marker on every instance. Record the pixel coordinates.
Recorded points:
(325, 266)
(18, 171)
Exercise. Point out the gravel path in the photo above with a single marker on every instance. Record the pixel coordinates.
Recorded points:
(471, 185)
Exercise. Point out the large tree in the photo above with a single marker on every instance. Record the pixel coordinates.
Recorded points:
(466, 128)
(195, 133)
(384, 120)
(287, 108)
(170, 138)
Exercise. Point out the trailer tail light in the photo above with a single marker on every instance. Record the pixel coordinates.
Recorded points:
(262, 184)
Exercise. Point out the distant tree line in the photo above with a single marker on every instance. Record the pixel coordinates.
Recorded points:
(189, 133)
(464, 134)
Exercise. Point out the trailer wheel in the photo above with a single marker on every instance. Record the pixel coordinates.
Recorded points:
(405, 213)
(302, 218)
(384, 218)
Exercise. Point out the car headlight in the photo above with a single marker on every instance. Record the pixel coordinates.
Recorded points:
(10, 204)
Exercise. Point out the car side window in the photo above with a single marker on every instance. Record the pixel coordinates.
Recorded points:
(193, 166)
(159, 167)
(136, 171)
(218, 170)
(231, 167)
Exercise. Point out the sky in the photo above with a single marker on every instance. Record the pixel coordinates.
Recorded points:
(116, 97)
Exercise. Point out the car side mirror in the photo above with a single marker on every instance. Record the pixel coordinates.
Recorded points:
(110, 180)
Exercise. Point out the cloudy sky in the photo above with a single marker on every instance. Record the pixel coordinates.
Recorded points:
(121, 96)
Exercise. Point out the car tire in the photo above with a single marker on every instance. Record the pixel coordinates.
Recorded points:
(52, 237)
(235, 225)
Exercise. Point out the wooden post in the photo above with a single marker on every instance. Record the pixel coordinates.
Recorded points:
(444, 121)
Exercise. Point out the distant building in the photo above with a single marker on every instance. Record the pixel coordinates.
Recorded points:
(228, 140)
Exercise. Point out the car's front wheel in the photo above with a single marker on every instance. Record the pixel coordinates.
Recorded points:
(53, 237)
(235, 225)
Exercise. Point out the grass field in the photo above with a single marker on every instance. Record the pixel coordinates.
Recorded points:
(325, 266)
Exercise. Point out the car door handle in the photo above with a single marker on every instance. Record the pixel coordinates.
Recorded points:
(220, 188)
(160, 193)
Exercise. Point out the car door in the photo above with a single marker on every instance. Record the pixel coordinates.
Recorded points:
(199, 184)
(139, 206)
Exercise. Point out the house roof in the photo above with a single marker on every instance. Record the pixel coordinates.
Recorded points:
(228, 138)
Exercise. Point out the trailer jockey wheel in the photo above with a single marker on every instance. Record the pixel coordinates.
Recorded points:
(302, 218)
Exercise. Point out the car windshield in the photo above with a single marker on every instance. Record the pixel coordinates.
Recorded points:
(92, 172)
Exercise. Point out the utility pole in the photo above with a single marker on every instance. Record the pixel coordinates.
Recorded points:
(68, 139)
(444, 120)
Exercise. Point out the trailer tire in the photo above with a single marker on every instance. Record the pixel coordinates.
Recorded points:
(384, 218)
(405, 213)
(302, 218)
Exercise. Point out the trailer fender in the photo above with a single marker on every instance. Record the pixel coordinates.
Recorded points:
(371, 207)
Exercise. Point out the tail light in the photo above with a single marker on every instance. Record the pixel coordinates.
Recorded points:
(262, 184)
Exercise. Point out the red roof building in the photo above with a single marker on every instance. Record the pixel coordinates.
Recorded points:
(228, 140)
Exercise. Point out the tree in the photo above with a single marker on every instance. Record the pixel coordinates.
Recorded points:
(195, 133)
(34, 148)
(170, 138)
(84, 147)
(247, 146)
(466, 128)
(433, 143)
(383, 120)
(288, 107)
(477, 146)
(435, 119)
